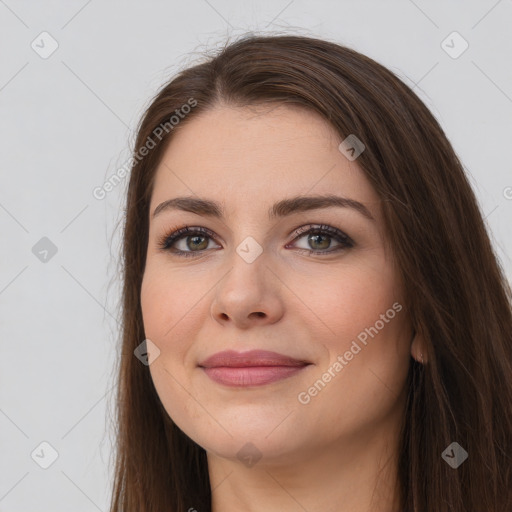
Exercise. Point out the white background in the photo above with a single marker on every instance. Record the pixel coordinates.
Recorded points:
(66, 125)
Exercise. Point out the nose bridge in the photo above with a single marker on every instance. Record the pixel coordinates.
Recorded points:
(249, 250)
(247, 291)
(247, 232)
(248, 265)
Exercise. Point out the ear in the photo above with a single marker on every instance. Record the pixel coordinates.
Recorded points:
(418, 348)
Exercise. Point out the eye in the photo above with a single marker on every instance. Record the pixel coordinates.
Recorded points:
(320, 238)
(193, 238)
(194, 241)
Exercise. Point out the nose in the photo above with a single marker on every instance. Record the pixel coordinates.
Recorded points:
(248, 295)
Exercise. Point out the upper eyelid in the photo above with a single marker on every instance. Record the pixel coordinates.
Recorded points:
(182, 231)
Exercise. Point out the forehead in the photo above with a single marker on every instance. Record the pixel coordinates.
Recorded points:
(253, 156)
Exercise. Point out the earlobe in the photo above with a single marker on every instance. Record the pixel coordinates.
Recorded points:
(418, 351)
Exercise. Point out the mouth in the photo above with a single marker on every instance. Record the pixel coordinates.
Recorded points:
(252, 368)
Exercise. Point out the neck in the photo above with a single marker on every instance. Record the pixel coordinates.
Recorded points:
(357, 475)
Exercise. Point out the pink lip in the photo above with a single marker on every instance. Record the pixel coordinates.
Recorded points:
(252, 368)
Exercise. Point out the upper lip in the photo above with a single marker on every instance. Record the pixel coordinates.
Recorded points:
(235, 359)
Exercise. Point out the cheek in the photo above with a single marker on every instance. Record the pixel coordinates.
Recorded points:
(368, 330)
(351, 299)
(363, 389)
(170, 320)
(173, 311)
(168, 302)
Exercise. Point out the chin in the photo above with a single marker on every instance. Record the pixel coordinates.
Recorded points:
(254, 450)
(270, 442)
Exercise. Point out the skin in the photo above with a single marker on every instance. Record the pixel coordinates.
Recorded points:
(338, 451)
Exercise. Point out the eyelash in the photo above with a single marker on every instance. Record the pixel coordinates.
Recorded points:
(168, 239)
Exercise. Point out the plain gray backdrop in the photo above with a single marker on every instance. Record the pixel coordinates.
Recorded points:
(75, 77)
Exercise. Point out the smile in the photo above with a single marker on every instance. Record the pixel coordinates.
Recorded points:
(253, 368)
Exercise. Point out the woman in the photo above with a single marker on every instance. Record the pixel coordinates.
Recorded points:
(314, 317)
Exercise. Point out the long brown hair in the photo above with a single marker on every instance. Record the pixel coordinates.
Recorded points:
(455, 290)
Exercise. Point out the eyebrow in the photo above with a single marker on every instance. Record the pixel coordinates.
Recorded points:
(282, 208)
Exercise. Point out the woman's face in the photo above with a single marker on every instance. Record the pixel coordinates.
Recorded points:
(261, 279)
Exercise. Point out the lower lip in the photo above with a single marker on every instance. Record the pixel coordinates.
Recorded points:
(251, 375)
